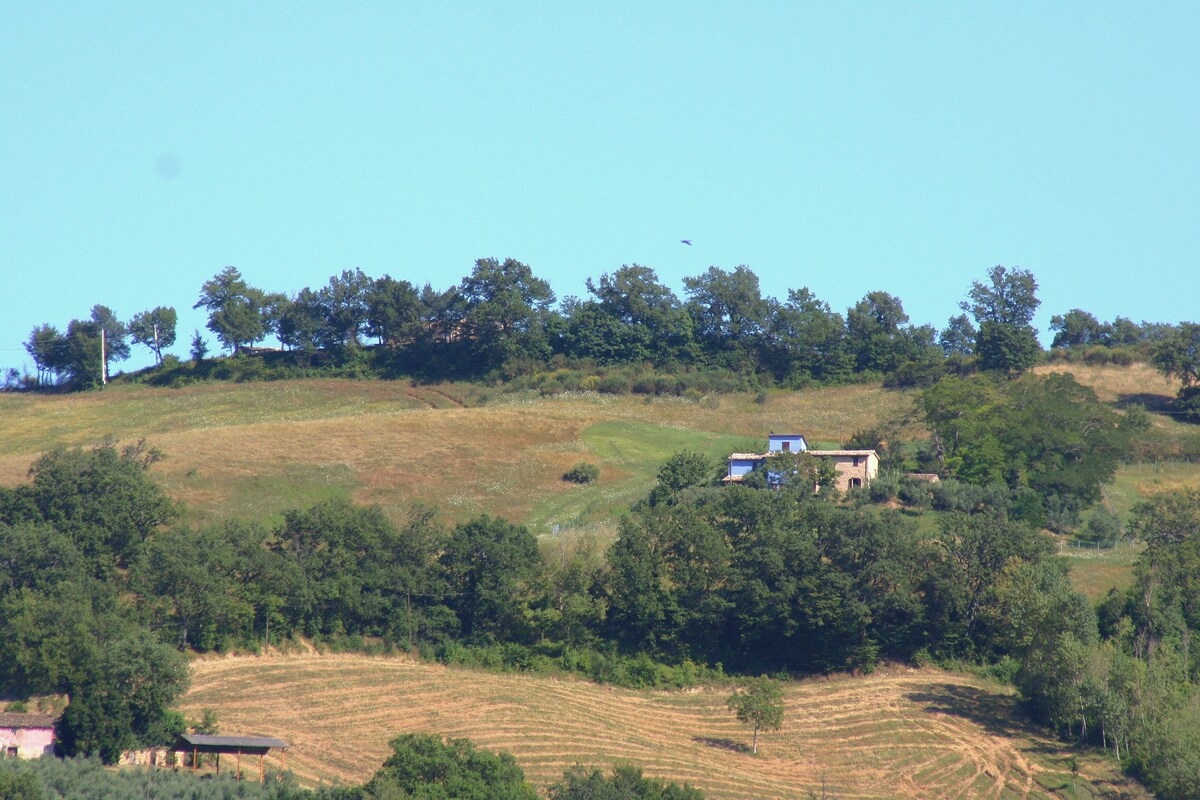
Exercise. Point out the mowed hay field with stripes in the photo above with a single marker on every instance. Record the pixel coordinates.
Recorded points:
(896, 733)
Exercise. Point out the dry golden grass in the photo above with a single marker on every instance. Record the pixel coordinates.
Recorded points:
(1136, 383)
(253, 450)
(894, 734)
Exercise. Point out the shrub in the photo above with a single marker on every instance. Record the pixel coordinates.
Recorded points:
(615, 383)
(1103, 529)
(952, 495)
(884, 488)
(915, 494)
(583, 472)
(626, 782)
(1061, 515)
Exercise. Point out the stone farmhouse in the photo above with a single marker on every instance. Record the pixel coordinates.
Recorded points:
(26, 735)
(855, 468)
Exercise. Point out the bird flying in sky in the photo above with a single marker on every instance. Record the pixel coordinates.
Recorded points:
(688, 242)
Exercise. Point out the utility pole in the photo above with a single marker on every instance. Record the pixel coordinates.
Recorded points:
(103, 360)
(156, 351)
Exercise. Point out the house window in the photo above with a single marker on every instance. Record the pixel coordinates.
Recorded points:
(856, 460)
(855, 483)
(787, 445)
(10, 752)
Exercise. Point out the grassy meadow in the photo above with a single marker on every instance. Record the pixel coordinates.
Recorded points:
(899, 733)
(254, 450)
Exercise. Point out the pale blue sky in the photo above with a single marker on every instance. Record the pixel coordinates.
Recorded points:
(847, 147)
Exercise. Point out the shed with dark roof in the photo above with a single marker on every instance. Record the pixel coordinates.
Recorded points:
(197, 743)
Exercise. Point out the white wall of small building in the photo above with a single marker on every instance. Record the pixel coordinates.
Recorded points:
(30, 742)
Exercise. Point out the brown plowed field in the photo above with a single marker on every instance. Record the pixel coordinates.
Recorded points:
(897, 733)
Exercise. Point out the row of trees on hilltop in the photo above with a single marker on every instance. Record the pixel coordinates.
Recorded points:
(79, 356)
(502, 320)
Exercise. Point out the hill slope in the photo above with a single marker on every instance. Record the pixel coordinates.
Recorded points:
(893, 734)
(253, 450)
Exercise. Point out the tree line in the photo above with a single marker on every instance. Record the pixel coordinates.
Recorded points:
(502, 321)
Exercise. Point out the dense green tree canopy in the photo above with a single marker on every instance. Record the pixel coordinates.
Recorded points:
(238, 313)
(426, 767)
(1076, 328)
(102, 498)
(958, 338)
(1049, 434)
(491, 566)
(47, 347)
(1003, 308)
(302, 322)
(806, 341)
(729, 314)
(633, 318)
(881, 339)
(764, 579)
(503, 310)
(394, 311)
(683, 470)
(1009, 349)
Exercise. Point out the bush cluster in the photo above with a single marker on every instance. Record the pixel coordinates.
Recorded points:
(583, 472)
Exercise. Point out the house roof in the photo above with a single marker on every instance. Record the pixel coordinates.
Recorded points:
(776, 453)
(785, 436)
(229, 743)
(10, 719)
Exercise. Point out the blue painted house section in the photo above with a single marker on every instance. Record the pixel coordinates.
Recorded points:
(741, 464)
(786, 442)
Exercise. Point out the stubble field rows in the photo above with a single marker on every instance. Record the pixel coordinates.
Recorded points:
(899, 733)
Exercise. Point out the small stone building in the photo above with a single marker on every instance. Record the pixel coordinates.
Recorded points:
(855, 468)
(26, 735)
